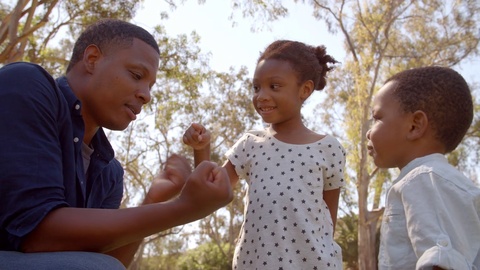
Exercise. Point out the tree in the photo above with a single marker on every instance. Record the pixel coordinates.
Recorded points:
(381, 37)
(28, 27)
(180, 97)
(187, 91)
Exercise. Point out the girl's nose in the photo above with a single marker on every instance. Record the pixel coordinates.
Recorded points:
(262, 95)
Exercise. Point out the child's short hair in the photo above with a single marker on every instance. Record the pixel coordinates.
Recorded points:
(443, 95)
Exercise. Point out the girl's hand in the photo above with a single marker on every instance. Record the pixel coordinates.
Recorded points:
(197, 136)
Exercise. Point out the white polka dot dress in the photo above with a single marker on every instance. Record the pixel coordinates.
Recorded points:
(287, 224)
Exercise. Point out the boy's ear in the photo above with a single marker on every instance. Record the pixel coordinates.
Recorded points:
(418, 126)
(90, 57)
(306, 90)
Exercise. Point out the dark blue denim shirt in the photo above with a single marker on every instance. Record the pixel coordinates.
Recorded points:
(41, 166)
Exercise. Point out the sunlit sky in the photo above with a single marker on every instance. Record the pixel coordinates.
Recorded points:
(239, 46)
(236, 46)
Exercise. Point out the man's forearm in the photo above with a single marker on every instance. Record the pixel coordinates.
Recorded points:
(104, 230)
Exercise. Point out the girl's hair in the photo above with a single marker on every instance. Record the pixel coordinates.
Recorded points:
(110, 34)
(310, 63)
(444, 96)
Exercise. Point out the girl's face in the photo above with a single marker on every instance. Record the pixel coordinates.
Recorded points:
(387, 138)
(278, 97)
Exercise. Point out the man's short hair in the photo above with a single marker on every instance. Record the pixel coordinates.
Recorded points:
(109, 34)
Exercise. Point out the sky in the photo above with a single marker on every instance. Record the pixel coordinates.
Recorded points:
(239, 46)
(236, 46)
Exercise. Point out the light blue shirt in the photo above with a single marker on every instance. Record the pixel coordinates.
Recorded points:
(432, 217)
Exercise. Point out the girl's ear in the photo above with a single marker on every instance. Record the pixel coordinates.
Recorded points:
(306, 89)
(90, 57)
(419, 125)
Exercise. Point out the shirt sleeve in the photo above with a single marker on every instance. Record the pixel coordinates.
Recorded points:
(437, 221)
(31, 181)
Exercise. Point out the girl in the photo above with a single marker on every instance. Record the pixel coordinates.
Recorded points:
(294, 175)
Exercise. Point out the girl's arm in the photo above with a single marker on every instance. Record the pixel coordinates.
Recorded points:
(331, 198)
(198, 137)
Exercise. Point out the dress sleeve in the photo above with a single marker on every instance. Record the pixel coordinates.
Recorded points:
(238, 155)
(334, 175)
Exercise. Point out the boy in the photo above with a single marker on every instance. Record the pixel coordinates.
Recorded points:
(431, 218)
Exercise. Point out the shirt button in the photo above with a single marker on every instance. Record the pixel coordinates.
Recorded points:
(77, 107)
(443, 243)
(75, 139)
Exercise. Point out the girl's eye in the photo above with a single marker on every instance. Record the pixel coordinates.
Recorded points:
(255, 88)
(275, 86)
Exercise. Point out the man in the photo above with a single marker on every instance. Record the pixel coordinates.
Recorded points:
(60, 185)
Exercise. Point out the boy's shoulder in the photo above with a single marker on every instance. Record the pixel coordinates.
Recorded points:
(434, 167)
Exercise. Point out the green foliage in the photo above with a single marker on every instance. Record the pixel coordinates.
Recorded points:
(381, 38)
(208, 256)
(29, 28)
(346, 236)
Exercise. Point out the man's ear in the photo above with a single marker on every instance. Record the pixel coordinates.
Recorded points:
(419, 125)
(306, 89)
(90, 57)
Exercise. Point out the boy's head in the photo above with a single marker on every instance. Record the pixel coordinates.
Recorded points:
(433, 98)
(110, 34)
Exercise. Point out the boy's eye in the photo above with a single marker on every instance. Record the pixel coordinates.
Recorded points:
(136, 76)
(275, 86)
(255, 88)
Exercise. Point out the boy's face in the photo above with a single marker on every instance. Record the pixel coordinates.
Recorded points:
(387, 137)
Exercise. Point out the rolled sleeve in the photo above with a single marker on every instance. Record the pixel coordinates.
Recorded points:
(438, 223)
(31, 180)
(444, 256)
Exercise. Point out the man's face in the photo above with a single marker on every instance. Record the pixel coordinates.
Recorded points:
(120, 85)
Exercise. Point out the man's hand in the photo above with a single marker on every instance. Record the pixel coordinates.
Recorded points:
(207, 189)
(170, 181)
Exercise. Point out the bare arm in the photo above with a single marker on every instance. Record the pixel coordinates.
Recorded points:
(164, 187)
(232, 174)
(198, 137)
(106, 230)
(331, 198)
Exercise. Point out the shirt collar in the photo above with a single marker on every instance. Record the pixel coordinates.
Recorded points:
(100, 141)
(420, 161)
